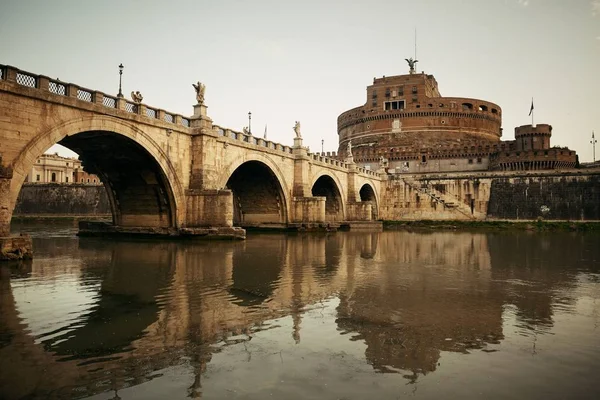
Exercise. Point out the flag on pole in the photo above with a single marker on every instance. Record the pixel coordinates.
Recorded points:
(531, 109)
(265, 135)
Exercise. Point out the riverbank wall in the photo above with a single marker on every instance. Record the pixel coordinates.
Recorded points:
(524, 195)
(54, 199)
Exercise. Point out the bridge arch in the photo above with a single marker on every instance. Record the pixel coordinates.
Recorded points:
(329, 186)
(260, 196)
(141, 182)
(368, 194)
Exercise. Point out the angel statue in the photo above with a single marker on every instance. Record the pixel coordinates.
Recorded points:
(349, 150)
(245, 130)
(412, 64)
(137, 97)
(200, 88)
(297, 129)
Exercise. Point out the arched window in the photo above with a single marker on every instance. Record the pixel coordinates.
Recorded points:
(53, 178)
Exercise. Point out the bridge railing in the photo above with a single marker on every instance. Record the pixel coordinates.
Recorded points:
(328, 160)
(319, 157)
(59, 88)
(257, 141)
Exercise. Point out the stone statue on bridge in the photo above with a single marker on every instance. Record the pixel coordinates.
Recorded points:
(297, 129)
(200, 88)
(349, 149)
(245, 130)
(137, 97)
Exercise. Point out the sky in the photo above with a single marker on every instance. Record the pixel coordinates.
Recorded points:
(311, 60)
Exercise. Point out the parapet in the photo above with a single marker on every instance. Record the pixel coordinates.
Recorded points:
(537, 130)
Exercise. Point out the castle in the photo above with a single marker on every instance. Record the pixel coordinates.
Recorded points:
(407, 126)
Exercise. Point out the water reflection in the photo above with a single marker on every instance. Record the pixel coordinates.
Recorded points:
(90, 316)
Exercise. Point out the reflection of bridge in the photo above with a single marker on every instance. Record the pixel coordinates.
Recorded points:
(158, 302)
(163, 170)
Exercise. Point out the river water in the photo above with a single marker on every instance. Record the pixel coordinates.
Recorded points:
(429, 315)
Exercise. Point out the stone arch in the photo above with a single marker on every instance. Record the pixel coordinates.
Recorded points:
(259, 196)
(121, 130)
(269, 162)
(329, 186)
(368, 194)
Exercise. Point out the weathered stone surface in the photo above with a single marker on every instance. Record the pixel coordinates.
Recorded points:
(60, 199)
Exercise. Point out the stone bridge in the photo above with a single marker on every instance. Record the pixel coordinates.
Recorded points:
(170, 173)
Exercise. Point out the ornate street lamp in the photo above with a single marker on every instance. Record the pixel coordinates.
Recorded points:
(120, 75)
(249, 122)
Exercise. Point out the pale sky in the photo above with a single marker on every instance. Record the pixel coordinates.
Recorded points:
(311, 60)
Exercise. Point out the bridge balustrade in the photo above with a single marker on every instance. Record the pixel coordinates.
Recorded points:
(57, 88)
(151, 112)
(110, 102)
(131, 107)
(26, 79)
(85, 95)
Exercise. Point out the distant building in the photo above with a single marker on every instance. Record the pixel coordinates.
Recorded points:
(52, 168)
(408, 127)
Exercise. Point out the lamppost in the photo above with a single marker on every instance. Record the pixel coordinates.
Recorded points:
(120, 75)
(593, 142)
(249, 122)
(322, 143)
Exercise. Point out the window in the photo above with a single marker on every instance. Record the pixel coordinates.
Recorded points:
(88, 181)
(494, 111)
(67, 179)
(470, 161)
(414, 89)
(387, 92)
(401, 91)
(483, 108)
(467, 106)
(423, 158)
(478, 160)
(37, 178)
(67, 164)
(53, 177)
(394, 105)
(374, 95)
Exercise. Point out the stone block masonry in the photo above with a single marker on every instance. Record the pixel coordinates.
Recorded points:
(60, 199)
(570, 197)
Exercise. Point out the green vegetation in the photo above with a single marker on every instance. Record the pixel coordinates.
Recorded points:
(539, 225)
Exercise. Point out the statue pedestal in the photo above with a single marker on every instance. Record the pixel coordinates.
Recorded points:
(199, 111)
(350, 160)
(297, 142)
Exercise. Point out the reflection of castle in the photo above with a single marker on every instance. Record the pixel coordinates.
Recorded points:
(408, 297)
(419, 301)
(52, 168)
(407, 122)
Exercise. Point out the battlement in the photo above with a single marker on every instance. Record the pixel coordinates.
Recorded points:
(530, 130)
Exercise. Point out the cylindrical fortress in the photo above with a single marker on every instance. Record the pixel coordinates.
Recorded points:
(406, 118)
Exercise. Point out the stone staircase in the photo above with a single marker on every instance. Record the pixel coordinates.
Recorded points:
(449, 203)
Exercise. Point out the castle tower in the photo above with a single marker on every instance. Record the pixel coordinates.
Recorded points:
(530, 137)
